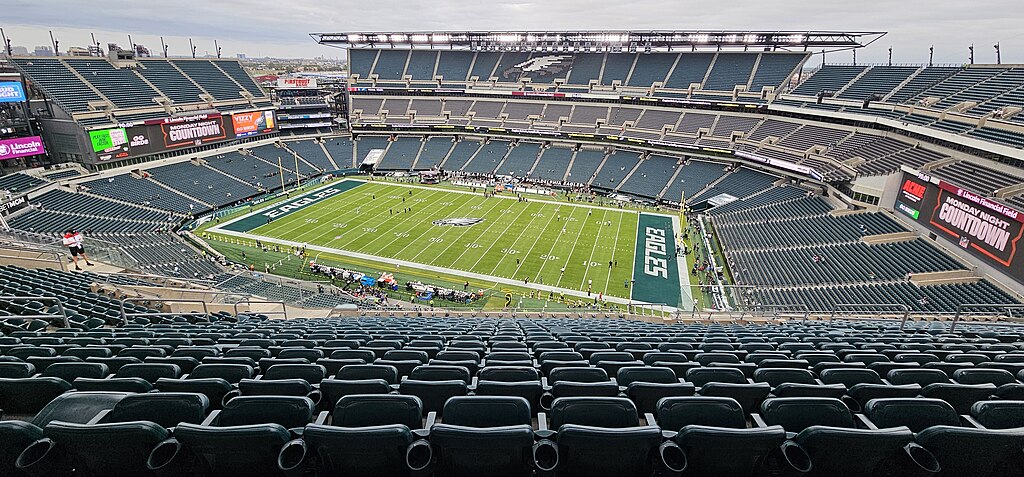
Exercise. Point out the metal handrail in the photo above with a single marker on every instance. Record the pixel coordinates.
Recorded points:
(60, 306)
(125, 315)
(862, 307)
(962, 306)
(247, 301)
(800, 308)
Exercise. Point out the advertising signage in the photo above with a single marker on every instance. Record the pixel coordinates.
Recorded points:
(252, 123)
(159, 135)
(11, 92)
(21, 147)
(986, 229)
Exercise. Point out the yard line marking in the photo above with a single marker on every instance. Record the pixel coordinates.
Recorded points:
(493, 242)
(436, 212)
(569, 256)
(463, 234)
(383, 219)
(528, 252)
(594, 248)
(615, 249)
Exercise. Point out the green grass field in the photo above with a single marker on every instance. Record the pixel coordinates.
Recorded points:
(516, 240)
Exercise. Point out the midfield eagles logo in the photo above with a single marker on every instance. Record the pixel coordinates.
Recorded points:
(540, 67)
(458, 222)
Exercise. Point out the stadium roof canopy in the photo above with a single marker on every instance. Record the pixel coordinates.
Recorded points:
(608, 41)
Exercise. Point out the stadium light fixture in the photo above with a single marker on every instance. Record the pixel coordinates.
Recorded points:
(749, 38)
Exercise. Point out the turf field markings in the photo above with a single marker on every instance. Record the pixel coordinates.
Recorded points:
(615, 249)
(554, 213)
(312, 212)
(569, 255)
(495, 241)
(554, 244)
(437, 212)
(383, 219)
(319, 212)
(461, 235)
(368, 224)
(449, 210)
(597, 240)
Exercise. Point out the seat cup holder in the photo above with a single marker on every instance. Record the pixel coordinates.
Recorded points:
(418, 455)
(291, 457)
(796, 457)
(922, 457)
(163, 454)
(545, 455)
(851, 403)
(43, 459)
(229, 396)
(672, 457)
(315, 395)
(546, 400)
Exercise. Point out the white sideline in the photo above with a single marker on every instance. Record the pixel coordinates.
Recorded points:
(463, 273)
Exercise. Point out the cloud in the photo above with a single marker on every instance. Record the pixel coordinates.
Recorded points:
(280, 28)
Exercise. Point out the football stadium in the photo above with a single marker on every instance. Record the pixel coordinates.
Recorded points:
(512, 253)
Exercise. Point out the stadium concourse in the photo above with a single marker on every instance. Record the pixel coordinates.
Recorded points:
(518, 254)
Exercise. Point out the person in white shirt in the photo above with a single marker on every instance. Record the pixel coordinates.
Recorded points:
(74, 241)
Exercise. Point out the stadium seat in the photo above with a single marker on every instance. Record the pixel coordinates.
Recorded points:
(969, 451)
(916, 414)
(999, 414)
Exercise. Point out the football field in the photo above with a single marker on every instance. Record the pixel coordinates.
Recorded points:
(535, 242)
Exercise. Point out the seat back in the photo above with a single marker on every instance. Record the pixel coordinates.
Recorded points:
(365, 410)
(855, 452)
(921, 377)
(29, 395)
(913, 413)
(594, 411)
(369, 371)
(369, 450)
(78, 407)
(798, 413)
(232, 373)
(236, 450)
(312, 373)
(287, 411)
(998, 377)
(434, 394)
(71, 371)
(728, 451)
(115, 449)
(677, 412)
(578, 375)
(850, 377)
(590, 451)
(778, 376)
(999, 414)
(701, 376)
(974, 452)
(487, 411)
(645, 374)
(167, 409)
(433, 372)
(508, 373)
(149, 371)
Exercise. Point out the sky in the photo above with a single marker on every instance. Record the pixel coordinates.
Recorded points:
(280, 28)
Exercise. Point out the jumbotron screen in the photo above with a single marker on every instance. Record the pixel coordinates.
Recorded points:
(158, 135)
(988, 230)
